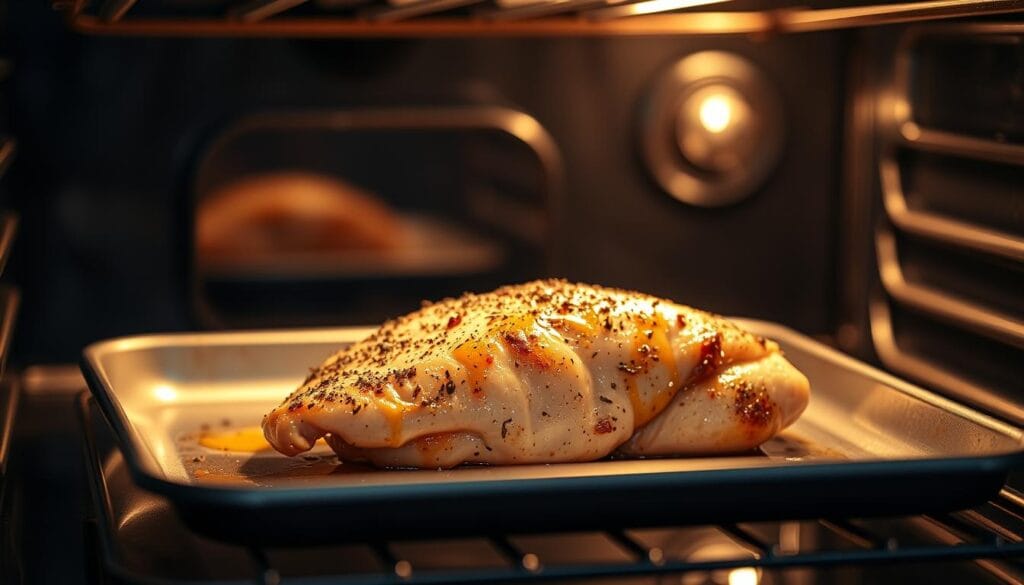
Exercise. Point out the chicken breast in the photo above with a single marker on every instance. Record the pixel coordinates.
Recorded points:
(543, 372)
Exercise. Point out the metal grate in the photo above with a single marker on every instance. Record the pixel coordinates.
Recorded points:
(420, 18)
(962, 537)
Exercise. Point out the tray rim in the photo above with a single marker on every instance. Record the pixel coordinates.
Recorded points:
(99, 494)
(257, 497)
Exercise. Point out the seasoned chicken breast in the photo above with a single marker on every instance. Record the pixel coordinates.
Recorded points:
(541, 372)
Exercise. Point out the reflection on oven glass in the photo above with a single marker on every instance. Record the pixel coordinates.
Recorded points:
(351, 218)
(262, 219)
(306, 225)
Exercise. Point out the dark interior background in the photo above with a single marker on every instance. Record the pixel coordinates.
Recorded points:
(109, 130)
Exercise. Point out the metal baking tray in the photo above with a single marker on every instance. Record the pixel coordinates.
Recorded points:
(137, 535)
(868, 444)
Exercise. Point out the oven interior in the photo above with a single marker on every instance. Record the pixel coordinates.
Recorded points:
(864, 187)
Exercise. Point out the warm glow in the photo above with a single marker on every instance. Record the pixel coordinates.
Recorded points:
(715, 113)
(652, 7)
(743, 576)
(165, 393)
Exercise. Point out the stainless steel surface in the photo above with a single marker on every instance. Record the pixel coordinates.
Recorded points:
(788, 20)
(944, 305)
(914, 136)
(937, 227)
(111, 10)
(9, 392)
(8, 146)
(936, 375)
(857, 196)
(164, 388)
(60, 380)
(861, 16)
(528, 10)
(10, 300)
(988, 249)
(8, 229)
(712, 129)
(643, 8)
(413, 9)
(256, 10)
(917, 135)
(900, 126)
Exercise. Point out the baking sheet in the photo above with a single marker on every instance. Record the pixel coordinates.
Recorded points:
(867, 444)
(139, 537)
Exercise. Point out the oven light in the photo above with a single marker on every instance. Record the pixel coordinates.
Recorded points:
(743, 576)
(165, 393)
(715, 113)
(716, 129)
(713, 128)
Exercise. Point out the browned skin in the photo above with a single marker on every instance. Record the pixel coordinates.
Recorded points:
(541, 372)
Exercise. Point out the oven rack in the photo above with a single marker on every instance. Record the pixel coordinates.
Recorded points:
(993, 554)
(455, 18)
(958, 536)
(986, 535)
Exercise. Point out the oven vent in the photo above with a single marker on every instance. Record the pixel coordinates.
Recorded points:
(950, 244)
(422, 18)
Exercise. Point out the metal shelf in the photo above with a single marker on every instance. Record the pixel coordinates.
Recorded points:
(405, 18)
(526, 567)
(960, 536)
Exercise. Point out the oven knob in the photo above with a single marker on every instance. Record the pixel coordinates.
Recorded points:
(712, 129)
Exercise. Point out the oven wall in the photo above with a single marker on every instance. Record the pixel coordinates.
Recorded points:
(935, 171)
(109, 129)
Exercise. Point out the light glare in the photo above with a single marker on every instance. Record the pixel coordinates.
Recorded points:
(715, 113)
(165, 393)
(743, 576)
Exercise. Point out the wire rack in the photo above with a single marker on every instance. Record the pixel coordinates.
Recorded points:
(958, 536)
(426, 18)
(955, 537)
